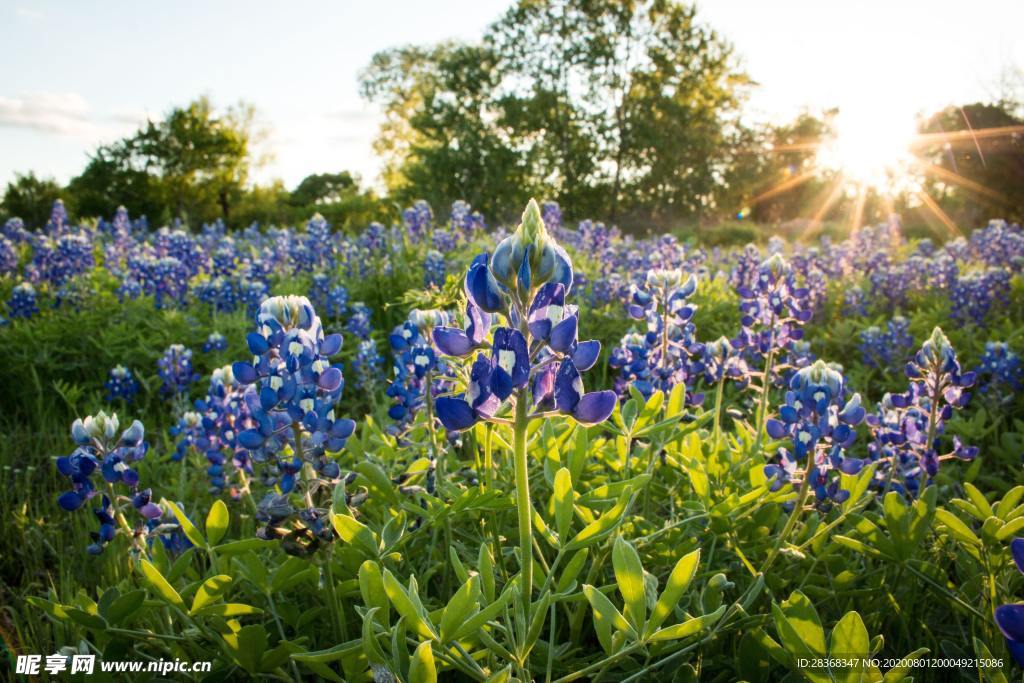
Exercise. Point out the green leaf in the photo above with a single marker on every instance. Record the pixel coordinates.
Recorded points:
(187, 527)
(485, 567)
(228, 609)
(956, 526)
(606, 615)
(356, 533)
(159, 584)
(1010, 529)
(83, 618)
(406, 607)
(850, 641)
(572, 570)
(678, 581)
(371, 646)
(371, 587)
(474, 624)
(563, 501)
(211, 589)
(125, 606)
(689, 627)
(421, 666)
(979, 500)
(461, 606)
(799, 626)
(602, 526)
(247, 646)
(629, 575)
(217, 521)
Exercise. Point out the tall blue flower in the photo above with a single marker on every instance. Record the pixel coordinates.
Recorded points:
(121, 385)
(535, 355)
(22, 303)
(669, 353)
(292, 394)
(101, 451)
(176, 371)
(907, 427)
(818, 421)
(1010, 618)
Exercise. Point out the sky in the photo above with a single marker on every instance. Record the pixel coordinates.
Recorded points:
(74, 75)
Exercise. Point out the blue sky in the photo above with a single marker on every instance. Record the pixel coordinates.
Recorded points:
(75, 74)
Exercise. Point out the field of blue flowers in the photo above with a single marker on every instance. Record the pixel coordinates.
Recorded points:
(451, 450)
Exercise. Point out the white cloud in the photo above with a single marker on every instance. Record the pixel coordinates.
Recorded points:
(63, 113)
(26, 13)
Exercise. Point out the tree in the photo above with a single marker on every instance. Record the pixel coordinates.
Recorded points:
(193, 164)
(443, 137)
(30, 198)
(975, 161)
(606, 106)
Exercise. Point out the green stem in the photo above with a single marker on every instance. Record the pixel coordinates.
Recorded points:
(794, 516)
(762, 408)
(717, 431)
(523, 498)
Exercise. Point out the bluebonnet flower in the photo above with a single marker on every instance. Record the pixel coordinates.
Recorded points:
(887, 350)
(773, 308)
(215, 341)
(1002, 367)
(220, 293)
(538, 356)
(973, 295)
(359, 321)
(22, 303)
(121, 384)
(907, 427)
(434, 269)
(819, 423)
(418, 220)
(551, 213)
(722, 361)
(8, 257)
(100, 450)
(415, 363)
(366, 366)
(854, 302)
(295, 386)
(669, 354)
(252, 293)
(175, 369)
(1010, 618)
(464, 220)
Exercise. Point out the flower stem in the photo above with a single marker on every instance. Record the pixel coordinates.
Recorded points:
(717, 433)
(523, 499)
(794, 516)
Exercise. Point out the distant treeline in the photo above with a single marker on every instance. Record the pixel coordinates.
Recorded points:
(627, 112)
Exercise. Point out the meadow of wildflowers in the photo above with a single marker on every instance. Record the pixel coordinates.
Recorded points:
(445, 449)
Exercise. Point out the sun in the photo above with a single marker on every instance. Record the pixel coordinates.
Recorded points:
(871, 149)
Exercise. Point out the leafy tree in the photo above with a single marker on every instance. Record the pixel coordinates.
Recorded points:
(444, 137)
(193, 164)
(976, 161)
(603, 105)
(30, 198)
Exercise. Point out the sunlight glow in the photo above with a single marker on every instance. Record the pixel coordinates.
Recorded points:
(871, 149)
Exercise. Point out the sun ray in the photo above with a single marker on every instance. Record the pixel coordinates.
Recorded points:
(943, 217)
(834, 191)
(784, 186)
(858, 210)
(952, 177)
(923, 139)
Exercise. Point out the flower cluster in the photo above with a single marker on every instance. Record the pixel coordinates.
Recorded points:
(175, 369)
(215, 341)
(22, 303)
(416, 364)
(434, 268)
(773, 308)
(887, 350)
(536, 356)
(121, 385)
(1002, 368)
(99, 448)
(907, 427)
(722, 361)
(668, 354)
(819, 423)
(293, 389)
